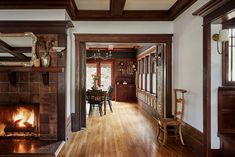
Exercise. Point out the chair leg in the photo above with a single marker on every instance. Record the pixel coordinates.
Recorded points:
(100, 109)
(90, 109)
(165, 134)
(110, 105)
(180, 133)
(158, 130)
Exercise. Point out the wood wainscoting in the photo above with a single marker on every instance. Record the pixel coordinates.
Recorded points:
(193, 138)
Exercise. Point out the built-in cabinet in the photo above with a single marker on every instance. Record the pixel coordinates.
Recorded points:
(226, 123)
(125, 92)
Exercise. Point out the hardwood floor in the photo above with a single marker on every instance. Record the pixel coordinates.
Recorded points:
(126, 132)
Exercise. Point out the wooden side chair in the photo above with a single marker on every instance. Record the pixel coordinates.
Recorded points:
(95, 97)
(109, 97)
(173, 125)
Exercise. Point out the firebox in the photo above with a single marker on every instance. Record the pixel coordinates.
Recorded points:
(19, 120)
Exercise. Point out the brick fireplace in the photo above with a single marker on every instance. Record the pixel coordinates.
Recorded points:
(30, 89)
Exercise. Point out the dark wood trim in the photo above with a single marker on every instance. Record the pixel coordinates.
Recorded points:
(212, 11)
(207, 89)
(61, 84)
(229, 24)
(116, 12)
(193, 139)
(81, 39)
(217, 11)
(132, 15)
(117, 7)
(179, 7)
(168, 77)
(37, 27)
(216, 153)
(209, 7)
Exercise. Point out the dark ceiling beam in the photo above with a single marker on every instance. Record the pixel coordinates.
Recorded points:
(179, 7)
(5, 47)
(89, 15)
(117, 7)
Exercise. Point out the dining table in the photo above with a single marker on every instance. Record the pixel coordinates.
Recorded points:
(105, 97)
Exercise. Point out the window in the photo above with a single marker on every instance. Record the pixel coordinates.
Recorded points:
(229, 59)
(231, 55)
(91, 69)
(106, 77)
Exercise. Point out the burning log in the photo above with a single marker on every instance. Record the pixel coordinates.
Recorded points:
(27, 124)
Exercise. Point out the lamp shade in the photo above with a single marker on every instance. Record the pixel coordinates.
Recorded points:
(223, 35)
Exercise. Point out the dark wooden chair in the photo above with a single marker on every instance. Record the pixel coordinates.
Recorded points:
(109, 97)
(95, 97)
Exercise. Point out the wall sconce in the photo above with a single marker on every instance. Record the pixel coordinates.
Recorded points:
(223, 36)
(59, 50)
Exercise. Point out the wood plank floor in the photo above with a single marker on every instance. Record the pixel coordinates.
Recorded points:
(126, 132)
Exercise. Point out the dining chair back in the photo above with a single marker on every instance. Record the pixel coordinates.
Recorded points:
(95, 97)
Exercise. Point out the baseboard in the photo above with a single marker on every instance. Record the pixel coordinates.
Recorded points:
(193, 138)
(68, 127)
(216, 153)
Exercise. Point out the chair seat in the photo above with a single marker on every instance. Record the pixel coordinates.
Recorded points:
(169, 122)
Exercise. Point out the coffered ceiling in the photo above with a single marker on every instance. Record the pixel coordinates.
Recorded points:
(108, 10)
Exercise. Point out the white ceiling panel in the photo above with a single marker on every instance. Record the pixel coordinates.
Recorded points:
(92, 4)
(18, 41)
(148, 4)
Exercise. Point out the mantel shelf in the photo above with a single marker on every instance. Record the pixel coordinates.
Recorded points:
(32, 69)
(44, 71)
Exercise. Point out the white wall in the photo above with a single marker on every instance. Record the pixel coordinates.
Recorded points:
(118, 27)
(187, 63)
(216, 81)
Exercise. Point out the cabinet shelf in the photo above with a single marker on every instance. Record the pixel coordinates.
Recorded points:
(32, 69)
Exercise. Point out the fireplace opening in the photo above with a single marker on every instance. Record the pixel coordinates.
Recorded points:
(19, 120)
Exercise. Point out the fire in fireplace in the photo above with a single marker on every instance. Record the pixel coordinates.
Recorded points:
(19, 120)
